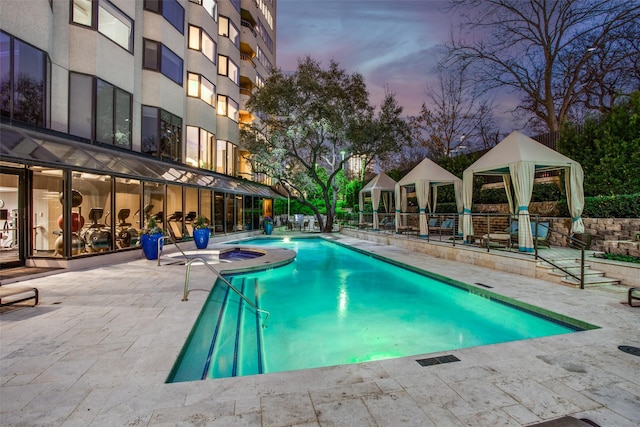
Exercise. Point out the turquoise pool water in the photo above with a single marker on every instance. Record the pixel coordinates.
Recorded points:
(334, 305)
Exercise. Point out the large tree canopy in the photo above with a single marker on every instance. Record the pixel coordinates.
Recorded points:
(312, 122)
(560, 57)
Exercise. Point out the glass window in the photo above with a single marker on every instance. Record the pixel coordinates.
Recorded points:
(193, 146)
(223, 65)
(111, 22)
(171, 65)
(226, 28)
(47, 208)
(80, 105)
(221, 156)
(175, 217)
(82, 12)
(200, 148)
(206, 198)
(174, 13)
(193, 84)
(23, 93)
(104, 112)
(228, 107)
(112, 117)
(153, 202)
(233, 107)
(171, 10)
(161, 133)
(194, 37)
(128, 218)
(190, 209)
(200, 87)
(201, 41)
(150, 125)
(151, 56)
(122, 137)
(232, 155)
(158, 57)
(211, 6)
(207, 149)
(95, 213)
(226, 67)
(115, 25)
(218, 213)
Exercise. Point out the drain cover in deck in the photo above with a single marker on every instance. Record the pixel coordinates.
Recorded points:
(629, 349)
(438, 360)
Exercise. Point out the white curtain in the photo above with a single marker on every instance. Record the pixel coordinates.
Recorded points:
(507, 187)
(467, 195)
(522, 175)
(575, 197)
(457, 189)
(361, 202)
(434, 199)
(422, 193)
(375, 201)
(399, 195)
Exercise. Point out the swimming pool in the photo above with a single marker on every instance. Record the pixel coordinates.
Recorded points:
(334, 305)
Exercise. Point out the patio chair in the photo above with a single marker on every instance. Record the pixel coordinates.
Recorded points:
(11, 294)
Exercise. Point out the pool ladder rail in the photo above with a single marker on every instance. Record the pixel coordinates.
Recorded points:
(190, 261)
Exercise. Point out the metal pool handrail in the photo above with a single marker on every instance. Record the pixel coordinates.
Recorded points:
(217, 273)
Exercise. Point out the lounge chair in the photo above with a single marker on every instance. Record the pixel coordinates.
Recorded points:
(445, 227)
(541, 234)
(10, 295)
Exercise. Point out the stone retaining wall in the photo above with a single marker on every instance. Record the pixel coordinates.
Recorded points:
(604, 231)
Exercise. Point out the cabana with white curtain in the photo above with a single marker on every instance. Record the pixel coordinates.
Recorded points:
(427, 176)
(381, 188)
(516, 159)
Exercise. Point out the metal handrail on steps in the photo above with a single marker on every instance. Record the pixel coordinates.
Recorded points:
(573, 240)
(233, 288)
(216, 272)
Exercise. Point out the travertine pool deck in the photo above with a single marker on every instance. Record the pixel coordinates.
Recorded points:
(98, 348)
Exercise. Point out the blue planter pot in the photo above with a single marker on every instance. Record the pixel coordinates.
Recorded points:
(268, 228)
(149, 245)
(201, 237)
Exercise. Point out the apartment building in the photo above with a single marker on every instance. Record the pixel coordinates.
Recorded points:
(116, 111)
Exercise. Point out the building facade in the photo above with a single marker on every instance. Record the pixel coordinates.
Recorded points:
(116, 111)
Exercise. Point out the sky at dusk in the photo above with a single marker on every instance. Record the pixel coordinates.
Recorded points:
(392, 43)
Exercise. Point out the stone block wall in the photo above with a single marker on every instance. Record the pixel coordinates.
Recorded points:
(603, 230)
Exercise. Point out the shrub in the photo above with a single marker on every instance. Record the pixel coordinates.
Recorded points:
(623, 206)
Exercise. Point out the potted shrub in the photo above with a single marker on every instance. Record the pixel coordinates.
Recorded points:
(201, 232)
(268, 225)
(149, 239)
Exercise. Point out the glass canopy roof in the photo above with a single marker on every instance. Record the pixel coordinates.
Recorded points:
(43, 149)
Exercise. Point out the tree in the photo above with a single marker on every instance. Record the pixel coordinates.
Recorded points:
(455, 117)
(608, 148)
(559, 56)
(312, 122)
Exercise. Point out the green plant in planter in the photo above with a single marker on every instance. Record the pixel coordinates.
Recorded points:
(151, 240)
(201, 222)
(152, 227)
(201, 233)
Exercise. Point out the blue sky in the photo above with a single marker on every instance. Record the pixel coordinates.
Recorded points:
(392, 43)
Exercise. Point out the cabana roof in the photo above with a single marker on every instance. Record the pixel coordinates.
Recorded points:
(380, 182)
(428, 170)
(517, 148)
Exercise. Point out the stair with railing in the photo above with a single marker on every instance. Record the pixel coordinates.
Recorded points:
(236, 349)
(227, 338)
(565, 267)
